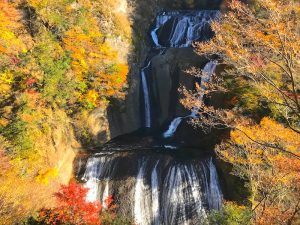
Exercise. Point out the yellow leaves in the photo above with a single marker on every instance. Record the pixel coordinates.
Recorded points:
(19, 198)
(92, 98)
(254, 151)
(236, 137)
(6, 79)
(7, 35)
(270, 4)
(268, 131)
(87, 51)
(114, 82)
(107, 51)
(269, 170)
(91, 56)
(9, 15)
(123, 71)
(9, 42)
(39, 3)
(249, 147)
(45, 175)
(65, 56)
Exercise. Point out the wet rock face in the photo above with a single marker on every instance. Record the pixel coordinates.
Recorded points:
(195, 4)
(167, 76)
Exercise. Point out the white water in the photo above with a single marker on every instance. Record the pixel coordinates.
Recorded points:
(207, 72)
(215, 194)
(105, 194)
(212, 187)
(160, 21)
(173, 127)
(142, 207)
(155, 196)
(146, 97)
(90, 175)
(92, 186)
(186, 27)
(165, 192)
(182, 195)
(170, 146)
(97, 168)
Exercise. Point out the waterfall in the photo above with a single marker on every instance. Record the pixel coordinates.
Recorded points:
(155, 195)
(160, 21)
(155, 186)
(97, 172)
(207, 72)
(90, 176)
(166, 191)
(146, 97)
(215, 196)
(105, 193)
(173, 127)
(186, 27)
(142, 197)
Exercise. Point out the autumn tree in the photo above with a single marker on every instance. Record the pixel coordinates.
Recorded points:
(261, 53)
(259, 47)
(273, 176)
(73, 208)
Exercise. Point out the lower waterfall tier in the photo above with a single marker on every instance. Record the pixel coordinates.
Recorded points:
(153, 188)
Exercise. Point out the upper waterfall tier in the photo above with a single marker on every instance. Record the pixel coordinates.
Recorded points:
(182, 28)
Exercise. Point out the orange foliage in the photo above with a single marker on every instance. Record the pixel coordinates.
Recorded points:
(92, 57)
(9, 24)
(112, 83)
(273, 174)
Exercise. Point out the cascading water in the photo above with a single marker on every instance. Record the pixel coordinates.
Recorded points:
(207, 72)
(167, 190)
(155, 186)
(146, 96)
(142, 207)
(173, 127)
(155, 195)
(185, 28)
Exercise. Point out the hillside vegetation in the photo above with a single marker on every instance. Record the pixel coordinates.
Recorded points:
(56, 65)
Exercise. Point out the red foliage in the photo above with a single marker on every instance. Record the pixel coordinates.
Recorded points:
(30, 81)
(72, 208)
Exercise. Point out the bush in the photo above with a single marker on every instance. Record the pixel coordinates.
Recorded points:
(231, 214)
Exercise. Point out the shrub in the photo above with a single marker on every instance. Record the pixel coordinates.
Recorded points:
(231, 214)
